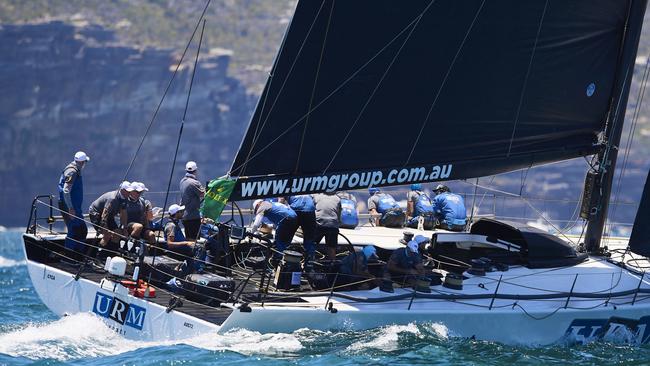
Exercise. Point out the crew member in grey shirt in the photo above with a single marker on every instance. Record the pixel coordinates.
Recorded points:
(328, 214)
(192, 192)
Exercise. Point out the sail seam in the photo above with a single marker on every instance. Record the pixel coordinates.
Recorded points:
(525, 86)
(383, 76)
(339, 87)
(313, 91)
(444, 81)
(293, 64)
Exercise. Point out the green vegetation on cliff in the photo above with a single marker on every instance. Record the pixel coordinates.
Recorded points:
(251, 29)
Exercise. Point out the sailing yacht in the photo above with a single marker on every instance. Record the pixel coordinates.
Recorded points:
(376, 93)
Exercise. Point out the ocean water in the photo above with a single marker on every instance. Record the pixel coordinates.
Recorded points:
(31, 335)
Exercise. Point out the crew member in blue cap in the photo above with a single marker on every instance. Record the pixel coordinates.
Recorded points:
(384, 210)
(419, 208)
(405, 264)
(71, 194)
(354, 268)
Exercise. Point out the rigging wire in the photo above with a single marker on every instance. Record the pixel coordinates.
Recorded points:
(169, 84)
(630, 138)
(326, 98)
(525, 86)
(444, 81)
(258, 127)
(187, 104)
(381, 79)
(313, 90)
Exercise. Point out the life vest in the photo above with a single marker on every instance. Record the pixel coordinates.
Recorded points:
(178, 232)
(386, 202)
(423, 205)
(349, 216)
(76, 191)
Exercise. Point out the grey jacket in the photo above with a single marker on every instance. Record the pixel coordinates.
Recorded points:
(192, 193)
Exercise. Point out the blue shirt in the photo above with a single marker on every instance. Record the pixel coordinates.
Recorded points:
(349, 266)
(450, 208)
(405, 259)
(302, 202)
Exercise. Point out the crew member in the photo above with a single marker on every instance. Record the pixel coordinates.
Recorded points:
(419, 208)
(384, 210)
(284, 219)
(328, 215)
(449, 209)
(405, 264)
(116, 207)
(176, 240)
(354, 268)
(305, 210)
(136, 211)
(71, 193)
(192, 193)
(349, 215)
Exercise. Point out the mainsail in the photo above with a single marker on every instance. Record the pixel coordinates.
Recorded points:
(388, 92)
(640, 237)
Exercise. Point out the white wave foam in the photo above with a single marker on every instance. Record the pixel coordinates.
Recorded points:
(85, 336)
(76, 336)
(388, 338)
(6, 262)
(248, 342)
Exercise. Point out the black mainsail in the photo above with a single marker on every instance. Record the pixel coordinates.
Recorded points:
(387, 92)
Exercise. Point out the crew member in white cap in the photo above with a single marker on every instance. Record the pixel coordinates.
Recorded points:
(176, 240)
(192, 193)
(136, 222)
(114, 206)
(71, 192)
(405, 264)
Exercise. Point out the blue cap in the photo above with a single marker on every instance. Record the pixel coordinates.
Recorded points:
(416, 187)
(373, 190)
(369, 251)
(421, 239)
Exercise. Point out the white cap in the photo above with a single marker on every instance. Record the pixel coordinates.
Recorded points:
(173, 209)
(191, 166)
(139, 186)
(413, 246)
(127, 186)
(81, 156)
(256, 203)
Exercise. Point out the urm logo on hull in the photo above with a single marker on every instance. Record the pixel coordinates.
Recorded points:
(113, 308)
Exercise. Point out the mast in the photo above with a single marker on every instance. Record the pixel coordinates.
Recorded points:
(601, 189)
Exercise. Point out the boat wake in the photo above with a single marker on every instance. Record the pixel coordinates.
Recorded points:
(86, 336)
(7, 262)
(390, 338)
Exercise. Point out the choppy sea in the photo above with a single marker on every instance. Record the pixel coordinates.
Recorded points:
(32, 335)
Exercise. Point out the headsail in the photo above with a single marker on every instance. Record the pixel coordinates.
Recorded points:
(640, 238)
(387, 92)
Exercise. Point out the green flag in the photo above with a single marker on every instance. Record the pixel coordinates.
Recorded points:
(216, 197)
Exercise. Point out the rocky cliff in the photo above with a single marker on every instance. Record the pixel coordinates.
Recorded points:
(67, 88)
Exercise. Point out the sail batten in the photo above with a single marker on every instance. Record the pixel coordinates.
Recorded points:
(385, 84)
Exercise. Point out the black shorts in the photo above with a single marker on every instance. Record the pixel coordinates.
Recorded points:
(307, 221)
(331, 235)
